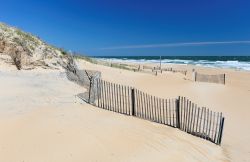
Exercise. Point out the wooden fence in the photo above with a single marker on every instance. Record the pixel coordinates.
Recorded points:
(147, 67)
(184, 72)
(178, 112)
(219, 78)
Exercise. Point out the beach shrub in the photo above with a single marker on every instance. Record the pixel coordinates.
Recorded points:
(63, 51)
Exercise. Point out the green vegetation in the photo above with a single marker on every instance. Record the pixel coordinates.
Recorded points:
(86, 58)
(32, 48)
(120, 66)
(27, 36)
(23, 44)
(4, 27)
(63, 51)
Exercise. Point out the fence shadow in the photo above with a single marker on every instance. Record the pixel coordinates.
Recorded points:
(177, 112)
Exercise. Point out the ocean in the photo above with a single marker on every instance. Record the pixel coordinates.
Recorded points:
(232, 62)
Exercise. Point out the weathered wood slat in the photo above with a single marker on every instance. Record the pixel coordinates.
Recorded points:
(197, 120)
(163, 111)
(189, 116)
(207, 124)
(98, 89)
(158, 109)
(105, 95)
(141, 102)
(184, 113)
(144, 106)
(160, 119)
(101, 93)
(169, 112)
(154, 114)
(119, 96)
(125, 100)
(150, 107)
(147, 108)
(112, 97)
(187, 111)
(216, 129)
(166, 112)
(121, 100)
(221, 129)
(115, 93)
(201, 121)
(133, 104)
(173, 112)
(109, 96)
(128, 101)
(136, 103)
(194, 117)
(180, 112)
(213, 127)
(115, 98)
(204, 123)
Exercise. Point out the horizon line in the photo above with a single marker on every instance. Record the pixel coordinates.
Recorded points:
(182, 44)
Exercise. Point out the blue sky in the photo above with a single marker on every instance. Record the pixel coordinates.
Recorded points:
(133, 27)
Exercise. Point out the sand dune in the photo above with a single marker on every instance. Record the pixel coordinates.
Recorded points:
(42, 120)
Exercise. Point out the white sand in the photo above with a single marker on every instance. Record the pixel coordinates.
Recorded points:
(233, 99)
(41, 120)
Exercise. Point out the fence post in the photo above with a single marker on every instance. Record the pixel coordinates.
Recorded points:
(178, 112)
(90, 86)
(224, 79)
(98, 92)
(133, 101)
(221, 130)
(195, 76)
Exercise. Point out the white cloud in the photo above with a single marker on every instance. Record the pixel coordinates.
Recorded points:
(175, 45)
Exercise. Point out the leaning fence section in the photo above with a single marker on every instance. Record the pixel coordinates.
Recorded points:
(155, 109)
(219, 78)
(178, 112)
(200, 121)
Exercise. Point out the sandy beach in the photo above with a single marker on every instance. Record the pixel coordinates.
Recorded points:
(42, 120)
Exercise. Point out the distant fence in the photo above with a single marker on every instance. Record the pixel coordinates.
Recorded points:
(147, 67)
(177, 112)
(219, 78)
(155, 69)
(184, 72)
